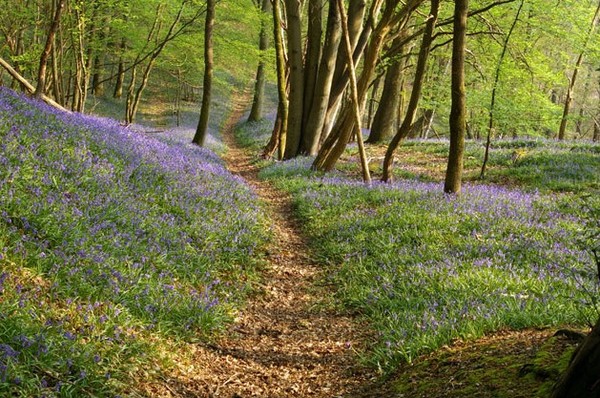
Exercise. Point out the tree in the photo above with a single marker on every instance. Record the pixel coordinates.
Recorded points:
(494, 90)
(385, 119)
(391, 16)
(280, 129)
(322, 90)
(263, 45)
(354, 92)
(202, 128)
(458, 109)
(296, 77)
(569, 97)
(416, 92)
(41, 82)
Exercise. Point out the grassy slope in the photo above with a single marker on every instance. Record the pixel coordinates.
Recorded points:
(128, 243)
(429, 270)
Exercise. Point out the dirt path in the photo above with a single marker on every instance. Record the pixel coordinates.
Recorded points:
(286, 342)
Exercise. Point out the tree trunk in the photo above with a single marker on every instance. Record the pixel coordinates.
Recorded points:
(41, 81)
(454, 171)
(259, 88)
(416, 91)
(333, 149)
(335, 145)
(311, 68)
(118, 92)
(97, 80)
(283, 105)
(596, 136)
(582, 380)
(296, 61)
(354, 91)
(359, 38)
(202, 130)
(494, 88)
(57, 90)
(318, 110)
(28, 87)
(569, 97)
(386, 117)
(374, 101)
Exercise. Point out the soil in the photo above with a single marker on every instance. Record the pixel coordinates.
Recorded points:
(291, 341)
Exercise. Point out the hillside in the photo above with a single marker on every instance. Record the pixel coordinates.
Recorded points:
(113, 244)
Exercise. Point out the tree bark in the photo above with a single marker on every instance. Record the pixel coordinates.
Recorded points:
(296, 61)
(386, 116)
(312, 61)
(416, 91)
(335, 145)
(41, 81)
(457, 121)
(202, 129)
(256, 111)
(318, 110)
(354, 91)
(283, 105)
(374, 101)
(581, 379)
(118, 92)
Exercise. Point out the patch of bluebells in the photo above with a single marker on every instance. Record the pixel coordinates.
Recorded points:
(427, 268)
(158, 232)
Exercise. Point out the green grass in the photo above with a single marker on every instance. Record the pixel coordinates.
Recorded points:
(425, 268)
(115, 247)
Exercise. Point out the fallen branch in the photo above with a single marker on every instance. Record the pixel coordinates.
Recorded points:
(29, 86)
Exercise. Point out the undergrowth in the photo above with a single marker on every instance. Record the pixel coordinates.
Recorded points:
(110, 242)
(427, 268)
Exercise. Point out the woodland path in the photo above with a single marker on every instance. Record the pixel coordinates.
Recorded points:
(287, 341)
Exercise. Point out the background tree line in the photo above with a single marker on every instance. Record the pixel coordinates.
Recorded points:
(530, 69)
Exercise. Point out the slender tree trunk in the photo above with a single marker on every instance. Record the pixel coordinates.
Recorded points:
(359, 38)
(318, 110)
(41, 82)
(202, 130)
(596, 136)
(57, 91)
(273, 143)
(296, 97)
(495, 88)
(569, 98)
(283, 105)
(354, 91)
(416, 91)
(118, 92)
(259, 87)
(98, 84)
(130, 97)
(28, 87)
(454, 171)
(374, 102)
(335, 145)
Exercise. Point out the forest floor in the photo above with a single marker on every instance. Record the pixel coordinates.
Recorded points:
(290, 340)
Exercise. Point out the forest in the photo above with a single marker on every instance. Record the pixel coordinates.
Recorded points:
(299, 198)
